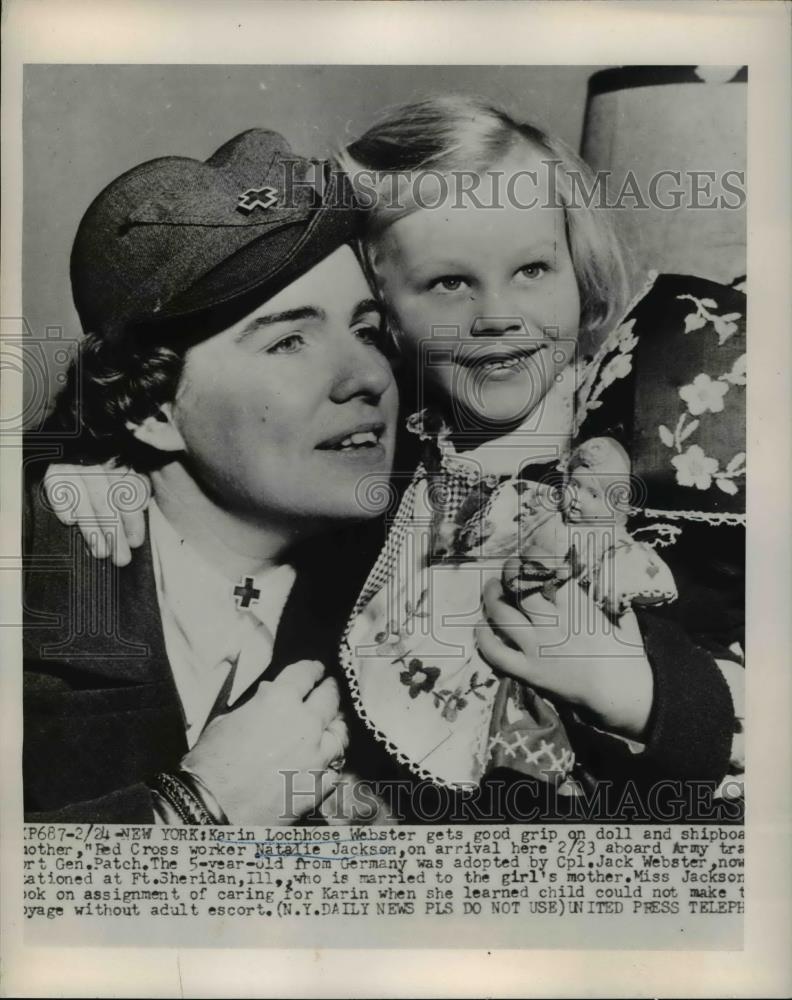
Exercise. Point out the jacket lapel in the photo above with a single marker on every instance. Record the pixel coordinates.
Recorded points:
(87, 615)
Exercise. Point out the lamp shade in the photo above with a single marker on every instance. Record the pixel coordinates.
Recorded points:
(689, 122)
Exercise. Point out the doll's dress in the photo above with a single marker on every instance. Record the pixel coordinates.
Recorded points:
(617, 569)
(630, 573)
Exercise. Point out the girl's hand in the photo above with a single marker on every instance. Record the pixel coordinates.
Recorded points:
(105, 502)
(570, 650)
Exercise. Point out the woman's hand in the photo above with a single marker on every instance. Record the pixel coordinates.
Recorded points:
(571, 651)
(271, 759)
(106, 503)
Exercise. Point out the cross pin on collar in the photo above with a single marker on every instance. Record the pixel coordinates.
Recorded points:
(245, 593)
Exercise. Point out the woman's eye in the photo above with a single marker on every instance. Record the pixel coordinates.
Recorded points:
(370, 334)
(535, 270)
(447, 283)
(287, 345)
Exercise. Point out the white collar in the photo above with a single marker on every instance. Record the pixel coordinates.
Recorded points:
(201, 600)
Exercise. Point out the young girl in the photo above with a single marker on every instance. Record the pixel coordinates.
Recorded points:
(493, 281)
(497, 284)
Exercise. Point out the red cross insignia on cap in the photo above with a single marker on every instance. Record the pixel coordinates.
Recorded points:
(265, 197)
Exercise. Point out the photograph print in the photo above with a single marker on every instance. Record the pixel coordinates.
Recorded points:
(385, 444)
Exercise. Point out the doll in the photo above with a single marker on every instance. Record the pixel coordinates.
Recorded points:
(587, 539)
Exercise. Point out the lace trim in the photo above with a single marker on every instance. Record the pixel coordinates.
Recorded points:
(649, 282)
(657, 596)
(422, 772)
(610, 340)
(708, 517)
(378, 576)
(664, 534)
(456, 466)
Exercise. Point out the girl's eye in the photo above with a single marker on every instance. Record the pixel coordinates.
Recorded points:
(447, 283)
(287, 345)
(535, 270)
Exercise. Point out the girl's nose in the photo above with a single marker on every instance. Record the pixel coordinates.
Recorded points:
(496, 316)
(493, 325)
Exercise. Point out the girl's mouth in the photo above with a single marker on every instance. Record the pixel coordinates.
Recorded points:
(501, 362)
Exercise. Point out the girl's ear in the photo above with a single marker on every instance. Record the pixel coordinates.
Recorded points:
(159, 430)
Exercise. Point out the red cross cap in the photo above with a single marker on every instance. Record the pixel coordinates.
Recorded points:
(176, 237)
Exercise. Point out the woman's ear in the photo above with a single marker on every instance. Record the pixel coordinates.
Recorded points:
(159, 430)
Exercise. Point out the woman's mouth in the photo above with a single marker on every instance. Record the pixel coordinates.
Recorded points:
(362, 442)
(360, 439)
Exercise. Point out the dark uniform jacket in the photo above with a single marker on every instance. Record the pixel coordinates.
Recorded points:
(101, 711)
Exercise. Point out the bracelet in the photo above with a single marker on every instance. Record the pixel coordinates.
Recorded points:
(188, 806)
(197, 786)
(165, 814)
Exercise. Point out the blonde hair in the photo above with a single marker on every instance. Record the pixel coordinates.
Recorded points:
(600, 455)
(443, 134)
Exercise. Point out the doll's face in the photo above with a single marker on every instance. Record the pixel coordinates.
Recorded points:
(588, 499)
(485, 299)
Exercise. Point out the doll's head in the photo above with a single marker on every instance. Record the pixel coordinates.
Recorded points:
(597, 483)
(489, 263)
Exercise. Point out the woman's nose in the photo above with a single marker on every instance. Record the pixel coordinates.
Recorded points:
(360, 371)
